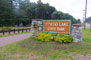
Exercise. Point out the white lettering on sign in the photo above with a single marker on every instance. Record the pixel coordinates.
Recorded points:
(61, 29)
(56, 24)
(51, 28)
(54, 28)
(63, 24)
(51, 24)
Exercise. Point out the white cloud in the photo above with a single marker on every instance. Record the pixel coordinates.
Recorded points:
(73, 7)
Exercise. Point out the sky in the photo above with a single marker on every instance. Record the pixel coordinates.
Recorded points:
(73, 7)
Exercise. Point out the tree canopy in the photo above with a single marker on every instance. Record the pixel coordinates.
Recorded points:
(15, 12)
(88, 20)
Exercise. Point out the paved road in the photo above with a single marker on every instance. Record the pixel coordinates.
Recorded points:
(10, 39)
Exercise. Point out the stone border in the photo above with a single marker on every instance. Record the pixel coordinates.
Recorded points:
(77, 32)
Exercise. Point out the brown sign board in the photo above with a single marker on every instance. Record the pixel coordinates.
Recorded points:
(57, 26)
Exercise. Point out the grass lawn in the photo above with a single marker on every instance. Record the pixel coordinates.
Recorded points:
(86, 35)
(30, 49)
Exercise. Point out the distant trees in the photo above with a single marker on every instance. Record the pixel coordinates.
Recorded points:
(78, 21)
(61, 15)
(6, 13)
(16, 12)
(88, 20)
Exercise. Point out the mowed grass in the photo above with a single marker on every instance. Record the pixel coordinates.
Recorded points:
(30, 49)
(86, 35)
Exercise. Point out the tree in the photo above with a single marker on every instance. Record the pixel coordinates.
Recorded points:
(37, 11)
(6, 13)
(78, 21)
(88, 20)
(44, 11)
(61, 15)
(16, 12)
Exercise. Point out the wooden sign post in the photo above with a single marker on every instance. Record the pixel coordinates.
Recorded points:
(57, 26)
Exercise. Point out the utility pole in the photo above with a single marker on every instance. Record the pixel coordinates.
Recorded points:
(90, 26)
(39, 1)
(85, 15)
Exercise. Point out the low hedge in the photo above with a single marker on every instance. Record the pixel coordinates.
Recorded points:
(44, 37)
(61, 38)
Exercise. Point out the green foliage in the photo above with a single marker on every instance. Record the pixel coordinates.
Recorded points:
(35, 26)
(78, 21)
(44, 37)
(6, 13)
(64, 38)
(61, 15)
(88, 20)
(58, 38)
(23, 12)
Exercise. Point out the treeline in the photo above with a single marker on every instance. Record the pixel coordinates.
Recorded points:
(21, 12)
(88, 20)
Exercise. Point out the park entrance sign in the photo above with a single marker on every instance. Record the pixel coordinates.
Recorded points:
(57, 26)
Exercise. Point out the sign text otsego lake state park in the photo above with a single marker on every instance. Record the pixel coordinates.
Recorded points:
(57, 26)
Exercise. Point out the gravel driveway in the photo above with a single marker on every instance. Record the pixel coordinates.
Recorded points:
(10, 39)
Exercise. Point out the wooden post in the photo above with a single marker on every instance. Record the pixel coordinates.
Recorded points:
(14, 31)
(3, 32)
(22, 29)
(9, 31)
(18, 31)
(29, 29)
(26, 30)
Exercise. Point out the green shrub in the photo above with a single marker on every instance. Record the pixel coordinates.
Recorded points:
(63, 38)
(44, 37)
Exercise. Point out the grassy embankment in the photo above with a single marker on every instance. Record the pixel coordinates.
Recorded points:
(30, 49)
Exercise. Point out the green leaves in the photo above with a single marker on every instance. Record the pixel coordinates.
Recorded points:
(6, 13)
(61, 15)
(44, 37)
(88, 20)
(63, 38)
(17, 12)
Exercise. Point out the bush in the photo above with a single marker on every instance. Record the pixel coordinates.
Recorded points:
(44, 37)
(63, 38)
